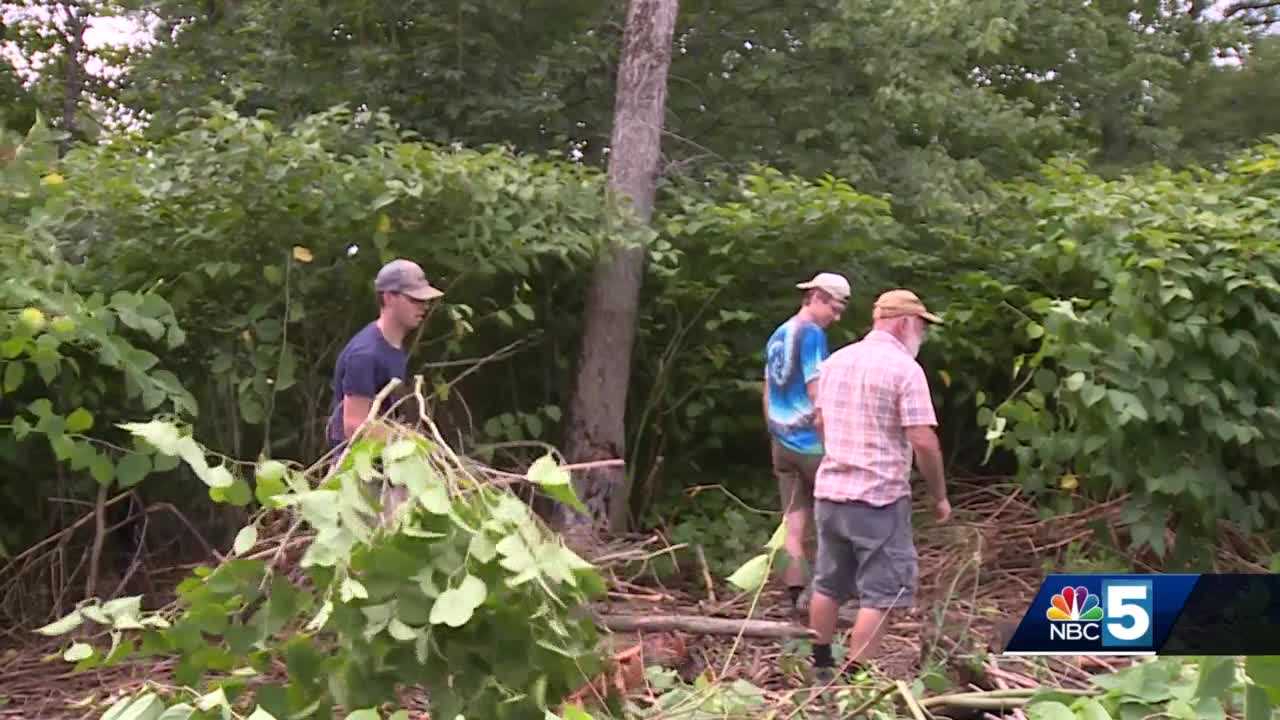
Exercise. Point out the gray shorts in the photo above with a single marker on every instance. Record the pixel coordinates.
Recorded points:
(866, 552)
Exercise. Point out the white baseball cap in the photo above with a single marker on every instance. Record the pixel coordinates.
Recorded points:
(835, 284)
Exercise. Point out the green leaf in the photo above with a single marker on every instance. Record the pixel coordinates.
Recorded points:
(534, 423)
(218, 477)
(181, 711)
(435, 499)
(245, 540)
(266, 489)
(162, 436)
(102, 469)
(1225, 345)
(752, 574)
(1075, 381)
(1035, 330)
(455, 606)
(353, 589)
(1090, 709)
(546, 472)
(14, 373)
(523, 311)
(79, 420)
(779, 537)
(260, 714)
(414, 473)
(124, 612)
(1049, 710)
(1093, 394)
(366, 714)
(400, 631)
(131, 469)
(482, 548)
(286, 372)
(554, 481)
(1263, 670)
(215, 699)
(238, 493)
(1257, 703)
(1217, 674)
(516, 556)
(575, 712)
(399, 450)
(270, 470)
(77, 652)
(145, 707)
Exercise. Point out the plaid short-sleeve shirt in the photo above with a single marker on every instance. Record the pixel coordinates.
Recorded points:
(868, 393)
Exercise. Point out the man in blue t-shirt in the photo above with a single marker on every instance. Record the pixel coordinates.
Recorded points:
(376, 354)
(792, 357)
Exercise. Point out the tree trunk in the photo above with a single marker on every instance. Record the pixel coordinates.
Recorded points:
(73, 84)
(597, 409)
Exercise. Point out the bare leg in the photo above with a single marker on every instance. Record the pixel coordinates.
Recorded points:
(822, 617)
(797, 528)
(868, 629)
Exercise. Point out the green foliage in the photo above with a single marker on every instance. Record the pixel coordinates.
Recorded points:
(459, 591)
(1196, 689)
(1148, 372)
(301, 219)
(72, 361)
(701, 700)
(474, 73)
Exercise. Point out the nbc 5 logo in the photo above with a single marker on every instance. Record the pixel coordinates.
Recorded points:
(1121, 617)
(1129, 606)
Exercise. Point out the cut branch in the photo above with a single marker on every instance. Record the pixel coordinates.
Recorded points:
(699, 625)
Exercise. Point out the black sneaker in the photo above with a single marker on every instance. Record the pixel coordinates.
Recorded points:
(829, 676)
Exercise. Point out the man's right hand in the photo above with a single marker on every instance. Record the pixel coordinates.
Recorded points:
(942, 510)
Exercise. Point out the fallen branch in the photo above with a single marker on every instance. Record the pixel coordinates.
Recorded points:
(995, 699)
(703, 626)
(912, 704)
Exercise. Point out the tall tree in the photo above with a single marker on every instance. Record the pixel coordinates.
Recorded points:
(597, 410)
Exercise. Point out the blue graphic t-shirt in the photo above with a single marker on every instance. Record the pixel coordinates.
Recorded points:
(791, 361)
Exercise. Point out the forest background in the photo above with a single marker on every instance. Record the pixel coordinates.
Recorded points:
(193, 209)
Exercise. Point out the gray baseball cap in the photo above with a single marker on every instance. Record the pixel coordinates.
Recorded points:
(407, 278)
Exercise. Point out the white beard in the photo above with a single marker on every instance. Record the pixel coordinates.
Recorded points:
(913, 345)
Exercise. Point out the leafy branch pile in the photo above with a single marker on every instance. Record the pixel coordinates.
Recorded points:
(459, 590)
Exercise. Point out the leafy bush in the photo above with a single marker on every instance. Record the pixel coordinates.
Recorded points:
(461, 592)
(1149, 373)
(266, 239)
(72, 362)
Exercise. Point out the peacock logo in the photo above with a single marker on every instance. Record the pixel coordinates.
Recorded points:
(1074, 605)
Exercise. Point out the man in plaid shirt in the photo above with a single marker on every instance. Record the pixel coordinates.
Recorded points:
(875, 409)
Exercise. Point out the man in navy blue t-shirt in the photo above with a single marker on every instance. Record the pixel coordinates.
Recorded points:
(376, 354)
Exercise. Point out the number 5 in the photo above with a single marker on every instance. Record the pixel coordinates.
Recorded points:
(1128, 602)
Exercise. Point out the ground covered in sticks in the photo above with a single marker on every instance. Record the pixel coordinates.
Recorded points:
(977, 575)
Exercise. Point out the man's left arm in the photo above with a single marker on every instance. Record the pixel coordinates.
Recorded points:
(915, 408)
